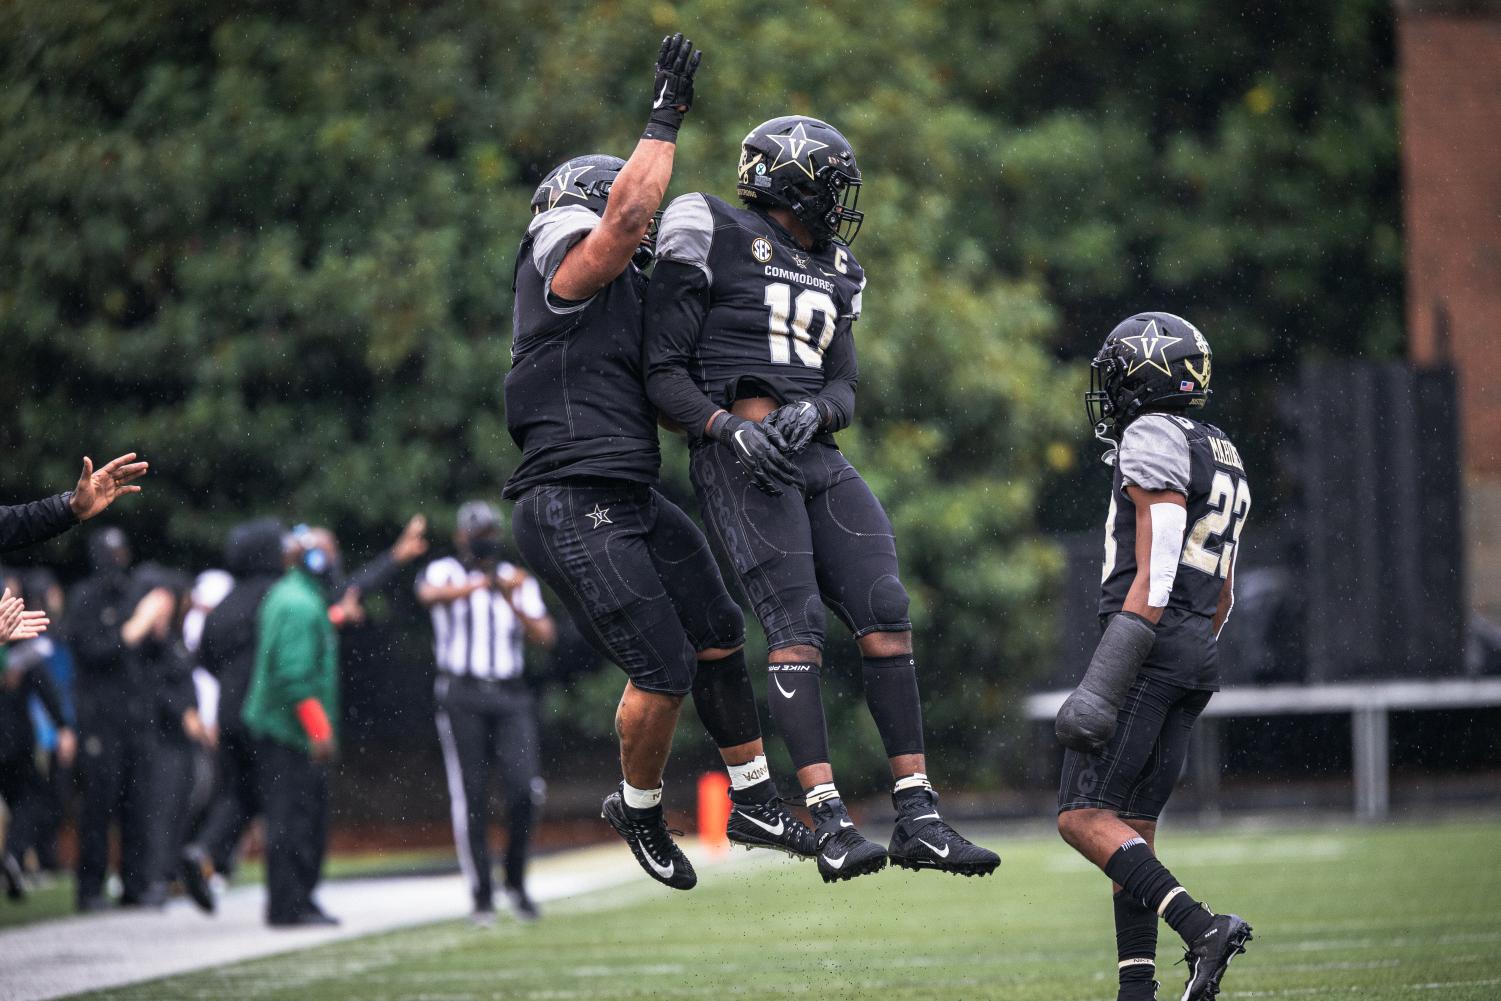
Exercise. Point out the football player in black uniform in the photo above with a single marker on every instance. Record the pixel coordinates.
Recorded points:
(1178, 502)
(750, 350)
(632, 568)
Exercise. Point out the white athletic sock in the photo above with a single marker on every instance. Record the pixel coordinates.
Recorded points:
(753, 772)
(821, 793)
(917, 780)
(641, 799)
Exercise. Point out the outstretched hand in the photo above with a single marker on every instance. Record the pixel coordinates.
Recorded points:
(98, 488)
(672, 87)
(16, 623)
(412, 542)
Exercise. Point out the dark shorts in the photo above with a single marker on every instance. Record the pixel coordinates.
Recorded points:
(635, 573)
(824, 541)
(1134, 775)
(1186, 653)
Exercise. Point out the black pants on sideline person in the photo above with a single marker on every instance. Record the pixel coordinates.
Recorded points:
(487, 727)
(237, 801)
(116, 758)
(24, 790)
(294, 789)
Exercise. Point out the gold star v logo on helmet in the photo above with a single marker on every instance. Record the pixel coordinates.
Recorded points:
(1150, 347)
(566, 183)
(795, 146)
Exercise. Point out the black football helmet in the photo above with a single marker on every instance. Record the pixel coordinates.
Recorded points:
(1151, 362)
(586, 180)
(804, 165)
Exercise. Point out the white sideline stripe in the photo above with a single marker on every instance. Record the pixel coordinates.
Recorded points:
(1437, 985)
(458, 803)
(53, 959)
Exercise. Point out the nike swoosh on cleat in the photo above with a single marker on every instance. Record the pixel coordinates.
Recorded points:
(836, 863)
(928, 816)
(658, 102)
(846, 823)
(664, 871)
(785, 694)
(941, 854)
(774, 831)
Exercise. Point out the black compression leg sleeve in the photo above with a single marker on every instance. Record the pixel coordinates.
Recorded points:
(1135, 944)
(891, 694)
(797, 710)
(725, 700)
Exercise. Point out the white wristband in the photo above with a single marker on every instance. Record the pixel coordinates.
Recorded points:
(1168, 522)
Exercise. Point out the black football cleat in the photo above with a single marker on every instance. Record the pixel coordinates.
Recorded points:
(1209, 956)
(651, 842)
(193, 872)
(1144, 990)
(522, 904)
(921, 840)
(843, 852)
(770, 825)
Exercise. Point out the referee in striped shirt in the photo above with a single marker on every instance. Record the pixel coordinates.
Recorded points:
(484, 611)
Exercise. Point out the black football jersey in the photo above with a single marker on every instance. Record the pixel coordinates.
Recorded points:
(780, 317)
(574, 398)
(1172, 452)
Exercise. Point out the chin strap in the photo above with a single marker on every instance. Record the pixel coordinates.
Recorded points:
(1102, 433)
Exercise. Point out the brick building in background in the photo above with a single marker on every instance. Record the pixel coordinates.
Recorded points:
(1449, 54)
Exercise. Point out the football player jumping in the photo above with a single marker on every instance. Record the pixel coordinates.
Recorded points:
(634, 571)
(749, 348)
(1178, 502)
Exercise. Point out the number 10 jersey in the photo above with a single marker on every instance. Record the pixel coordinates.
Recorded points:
(1173, 452)
(779, 317)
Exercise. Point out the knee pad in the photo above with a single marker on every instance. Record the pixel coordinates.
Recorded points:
(723, 627)
(889, 606)
(725, 701)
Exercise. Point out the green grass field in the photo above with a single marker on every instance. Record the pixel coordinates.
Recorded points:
(1376, 913)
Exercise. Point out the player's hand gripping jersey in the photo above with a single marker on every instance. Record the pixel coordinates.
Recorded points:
(751, 313)
(573, 397)
(1174, 452)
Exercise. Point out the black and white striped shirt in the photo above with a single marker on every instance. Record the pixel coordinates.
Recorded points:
(479, 635)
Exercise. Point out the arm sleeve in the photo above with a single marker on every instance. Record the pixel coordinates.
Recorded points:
(552, 234)
(841, 375)
(28, 524)
(1154, 455)
(677, 302)
(373, 575)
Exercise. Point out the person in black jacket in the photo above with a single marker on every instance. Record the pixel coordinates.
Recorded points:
(114, 709)
(254, 555)
(23, 674)
(27, 524)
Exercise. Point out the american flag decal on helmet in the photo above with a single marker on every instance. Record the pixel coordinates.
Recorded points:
(1185, 387)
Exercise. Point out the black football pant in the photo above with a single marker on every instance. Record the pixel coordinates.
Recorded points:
(237, 801)
(636, 574)
(825, 540)
(489, 727)
(24, 791)
(171, 796)
(117, 762)
(294, 789)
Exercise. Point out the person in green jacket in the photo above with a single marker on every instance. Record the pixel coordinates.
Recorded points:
(293, 699)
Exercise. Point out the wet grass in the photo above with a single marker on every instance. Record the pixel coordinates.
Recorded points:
(1399, 911)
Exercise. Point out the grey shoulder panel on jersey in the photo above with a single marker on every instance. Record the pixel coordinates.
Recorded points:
(1154, 454)
(554, 232)
(686, 232)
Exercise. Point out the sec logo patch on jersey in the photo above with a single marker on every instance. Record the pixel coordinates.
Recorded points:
(761, 249)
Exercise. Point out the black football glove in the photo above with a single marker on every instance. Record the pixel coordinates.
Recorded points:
(672, 92)
(759, 449)
(797, 423)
